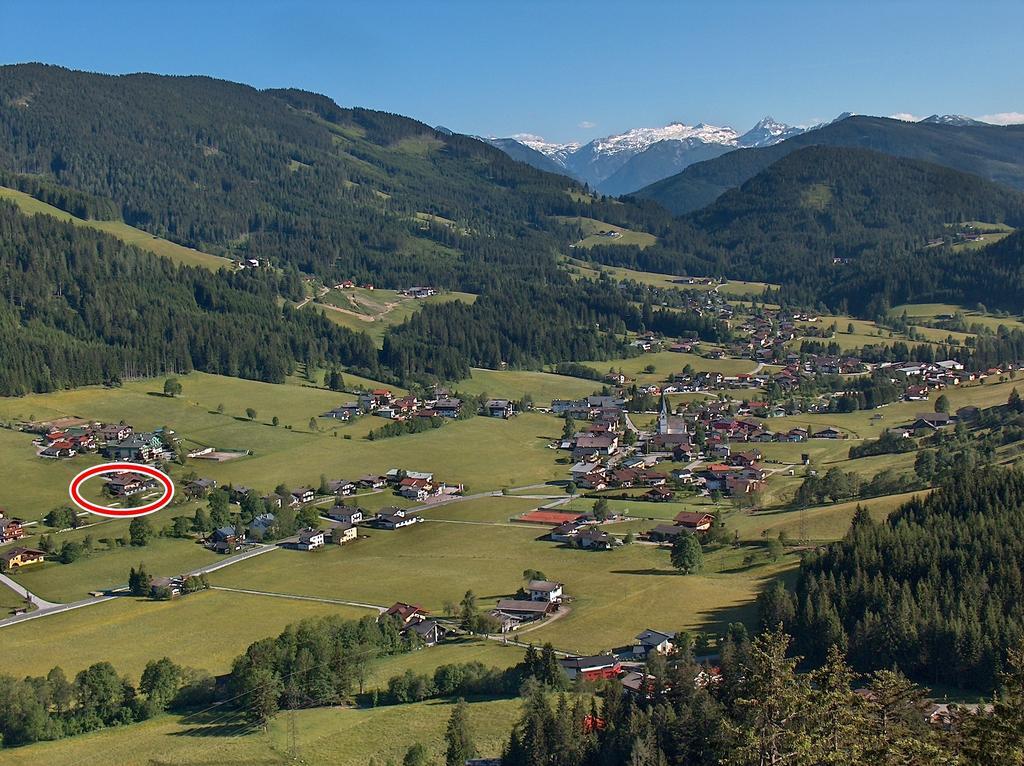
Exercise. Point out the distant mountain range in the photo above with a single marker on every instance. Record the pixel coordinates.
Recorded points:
(628, 162)
(990, 151)
(625, 162)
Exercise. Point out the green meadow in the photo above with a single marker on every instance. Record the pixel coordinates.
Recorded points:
(330, 736)
(129, 234)
(203, 630)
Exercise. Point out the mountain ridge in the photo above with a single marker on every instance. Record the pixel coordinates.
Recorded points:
(678, 145)
(991, 151)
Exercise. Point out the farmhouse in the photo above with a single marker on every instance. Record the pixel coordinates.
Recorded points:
(59, 448)
(137, 448)
(659, 494)
(596, 539)
(303, 494)
(597, 668)
(127, 483)
(14, 558)
(165, 587)
(346, 514)
(931, 421)
(694, 522)
(261, 524)
(406, 614)
(344, 533)
(396, 518)
(498, 408)
(653, 641)
(224, 540)
(828, 433)
(666, 532)
(310, 539)
(10, 529)
(448, 407)
(544, 590)
(524, 611)
(429, 631)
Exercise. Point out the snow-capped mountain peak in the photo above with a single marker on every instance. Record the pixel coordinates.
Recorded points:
(958, 120)
(639, 156)
(768, 131)
(557, 152)
(638, 139)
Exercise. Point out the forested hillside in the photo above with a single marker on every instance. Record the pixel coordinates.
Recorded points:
(284, 175)
(334, 193)
(990, 151)
(935, 590)
(81, 307)
(849, 228)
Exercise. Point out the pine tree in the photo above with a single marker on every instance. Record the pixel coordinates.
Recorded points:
(458, 736)
(770, 728)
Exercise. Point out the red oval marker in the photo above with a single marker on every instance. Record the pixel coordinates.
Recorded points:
(119, 513)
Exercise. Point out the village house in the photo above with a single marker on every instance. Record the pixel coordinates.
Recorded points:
(406, 614)
(591, 446)
(653, 641)
(303, 494)
(694, 522)
(10, 529)
(138, 448)
(225, 540)
(260, 525)
(165, 587)
(127, 483)
(659, 495)
(828, 433)
(931, 421)
(372, 482)
(344, 533)
(448, 407)
(665, 533)
(498, 408)
(593, 538)
(115, 433)
(343, 412)
(396, 518)
(544, 590)
(430, 632)
(597, 668)
(13, 558)
(310, 539)
(346, 514)
(523, 611)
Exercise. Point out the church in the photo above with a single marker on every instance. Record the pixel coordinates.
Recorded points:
(669, 423)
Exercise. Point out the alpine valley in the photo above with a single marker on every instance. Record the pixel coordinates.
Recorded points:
(680, 447)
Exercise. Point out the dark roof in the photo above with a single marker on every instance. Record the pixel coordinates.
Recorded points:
(516, 605)
(589, 663)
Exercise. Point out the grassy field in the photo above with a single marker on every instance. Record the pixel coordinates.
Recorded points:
(819, 524)
(374, 311)
(121, 230)
(514, 384)
(330, 736)
(591, 236)
(667, 362)
(483, 453)
(435, 562)
(204, 630)
(929, 311)
(109, 568)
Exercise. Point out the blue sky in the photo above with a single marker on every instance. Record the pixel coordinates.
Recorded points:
(558, 69)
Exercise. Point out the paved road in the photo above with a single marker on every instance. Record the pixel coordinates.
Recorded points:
(47, 608)
(24, 592)
(53, 609)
